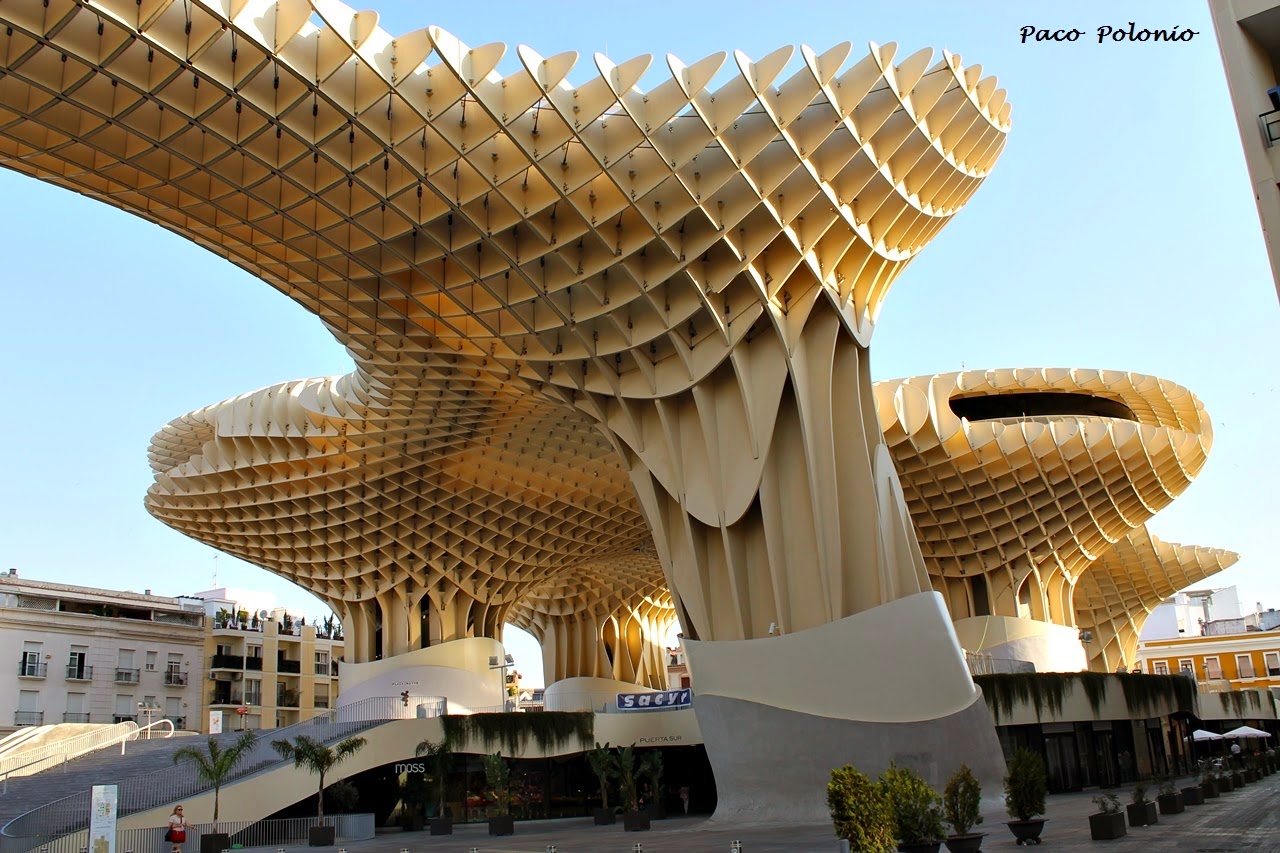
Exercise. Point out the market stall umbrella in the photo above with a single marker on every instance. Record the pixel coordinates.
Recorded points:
(1247, 731)
(1201, 734)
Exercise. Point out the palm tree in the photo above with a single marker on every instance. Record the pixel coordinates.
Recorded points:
(316, 757)
(440, 757)
(215, 764)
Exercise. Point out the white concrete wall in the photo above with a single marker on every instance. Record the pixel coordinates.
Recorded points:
(1052, 648)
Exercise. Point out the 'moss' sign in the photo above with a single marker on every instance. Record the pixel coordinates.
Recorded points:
(649, 701)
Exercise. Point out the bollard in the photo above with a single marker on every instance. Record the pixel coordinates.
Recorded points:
(551, 848)
(637, 848)
(735, 847)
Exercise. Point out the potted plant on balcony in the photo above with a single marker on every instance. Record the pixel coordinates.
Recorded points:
(1107, 823)
(961, 805)
(439, 757)
(1142, 812)
(214, 765)
(633, 819)
(318, 758)
(253, 623)
(243, 618)
(1025, 788)
(861, 811)
(917, 810)
(1170, 798)
(498, 777)
(605, 765)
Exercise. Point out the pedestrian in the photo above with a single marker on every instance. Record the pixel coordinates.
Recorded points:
(1126, 766)
(177, 833)
(1235, 755)
(684, 797)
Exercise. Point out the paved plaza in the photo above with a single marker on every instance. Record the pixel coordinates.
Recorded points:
(1246, 819)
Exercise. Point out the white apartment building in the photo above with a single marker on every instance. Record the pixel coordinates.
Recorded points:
(84, 655)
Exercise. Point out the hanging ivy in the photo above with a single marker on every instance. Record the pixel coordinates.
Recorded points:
(1142, 693)
(1237, 700)
(548, 729)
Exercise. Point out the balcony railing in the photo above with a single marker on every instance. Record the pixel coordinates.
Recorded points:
(322, 669)
(322, 702)
(174, 678)
(124, 718)
(69, 717)
(217, 698)
(287, 698)
(253, 699)
(253, 664)
(126, 676)
(28, 718)
(178, 722)
(289, 667)
(1270, 122)
(79, 672)
(28, 668)
(227, 662)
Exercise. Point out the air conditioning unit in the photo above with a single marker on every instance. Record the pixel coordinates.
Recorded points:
(213, 676)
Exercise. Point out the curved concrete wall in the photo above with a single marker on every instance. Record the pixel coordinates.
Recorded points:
(588, 694)
(457, 670)
(1052, 648)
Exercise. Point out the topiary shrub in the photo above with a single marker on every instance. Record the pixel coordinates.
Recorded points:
(1026, 785)
(962, 801)
(861, 811)
(917, 808)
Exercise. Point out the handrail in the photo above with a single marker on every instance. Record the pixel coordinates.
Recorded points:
(90, 741)
(157, 788)
(53, 759)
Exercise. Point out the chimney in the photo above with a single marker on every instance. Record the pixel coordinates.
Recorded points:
(13, 573)
(146, 592)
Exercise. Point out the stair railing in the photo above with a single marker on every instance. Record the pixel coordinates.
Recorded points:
(160, 787)
(61, 759)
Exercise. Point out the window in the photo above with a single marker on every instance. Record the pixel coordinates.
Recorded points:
(173, 707)
(77, 708)
(254, 652)
(151, 661)
(77, 667)
(125, 708)
(684, 681)
(1244, 666)
(28, 713)
(253, 691)
(981, 601)
(1159, 667)
(1212, 669)
(124, 659)
(1273, 662)
(322, 663)
(31, 665)
(1187, 666)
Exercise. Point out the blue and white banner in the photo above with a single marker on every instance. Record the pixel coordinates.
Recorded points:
(650, 701)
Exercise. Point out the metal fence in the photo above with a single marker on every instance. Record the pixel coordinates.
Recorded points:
(58, 750)
(152, 790)
(290, 832)
(980, 664)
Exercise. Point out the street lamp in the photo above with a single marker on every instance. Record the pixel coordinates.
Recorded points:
(147, 709)
(502, 664)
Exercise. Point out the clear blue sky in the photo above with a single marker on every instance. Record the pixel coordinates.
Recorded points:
(1117, 231)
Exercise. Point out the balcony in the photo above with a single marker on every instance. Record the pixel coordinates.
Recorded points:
(178, 722)
(253, 664)
(253, 699)
(79, 672)
(28, 668)
(127, 676)
(321, 702)
(217, 697)
(75, 718)
(227, 662)
(288, 667)
(124, 718)
(28, 718)
(287, 698)
(174, 678)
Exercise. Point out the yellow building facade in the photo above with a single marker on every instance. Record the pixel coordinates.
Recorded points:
(1248, 661)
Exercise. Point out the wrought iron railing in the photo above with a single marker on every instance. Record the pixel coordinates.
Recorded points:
(28, 718)
(79, 672)
(69, 815)
(124, 675)
(175, 678)
(28, 668)
(73, 717)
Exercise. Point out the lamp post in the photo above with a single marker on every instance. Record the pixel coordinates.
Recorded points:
(502, 663)
(147, 709)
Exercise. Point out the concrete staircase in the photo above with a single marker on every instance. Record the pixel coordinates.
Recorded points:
(102, 767)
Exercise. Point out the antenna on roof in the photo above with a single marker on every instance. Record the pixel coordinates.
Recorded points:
(215, 571)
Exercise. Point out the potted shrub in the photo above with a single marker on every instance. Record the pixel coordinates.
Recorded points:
(1208, 782)
(1170, 798)
(1107, 823)
(1226, 783)
(1192, 795)
(633, 819)
(605, 765)
(215, 764)
(651, 770)
(243, 618)
(1142, 812)
(961, 806)
(440, 759)
(917, 810)
(1025, 787)
(498, 777)
(861, 811)
(315, 756)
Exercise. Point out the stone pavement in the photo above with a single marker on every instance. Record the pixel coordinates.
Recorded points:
(1246, 819)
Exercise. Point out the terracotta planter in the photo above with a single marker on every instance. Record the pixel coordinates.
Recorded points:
(1193, 796)
(970, 843)
(604, 817)
(1106, 827)
(1171, 803)
(635, 822)
(505, 825)
(1142, 814)
(442, 826)
(1026, 831)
